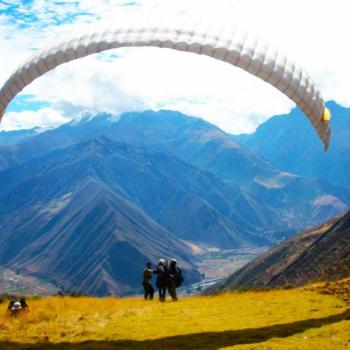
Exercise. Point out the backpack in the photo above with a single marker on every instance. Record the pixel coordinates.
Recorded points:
(179, 277)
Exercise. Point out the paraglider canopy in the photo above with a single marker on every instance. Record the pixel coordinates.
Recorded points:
(225, 43)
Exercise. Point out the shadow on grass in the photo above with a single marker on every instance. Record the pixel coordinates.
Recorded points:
(203, 341)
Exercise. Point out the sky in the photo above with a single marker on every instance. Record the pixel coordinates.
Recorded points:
(313, 33)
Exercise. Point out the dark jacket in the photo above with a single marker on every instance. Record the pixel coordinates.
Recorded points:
(175, 275)
(147, 275)
(162, 276)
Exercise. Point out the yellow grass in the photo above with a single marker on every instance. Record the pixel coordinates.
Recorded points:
(280, 319)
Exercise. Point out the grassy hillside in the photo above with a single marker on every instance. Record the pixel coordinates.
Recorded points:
(319, 254)
(278, 319)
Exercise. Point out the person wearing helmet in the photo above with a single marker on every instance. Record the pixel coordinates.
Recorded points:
(175, 278)
(162, 279)
(146, 282)
(14, 308)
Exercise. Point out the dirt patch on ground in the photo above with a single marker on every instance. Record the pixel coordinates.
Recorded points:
(340, 289)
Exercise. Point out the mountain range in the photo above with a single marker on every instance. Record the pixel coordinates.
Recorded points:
(288, 142)
(88, 203)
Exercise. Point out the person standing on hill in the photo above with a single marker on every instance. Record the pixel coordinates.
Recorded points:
(146, 281)
(175, 278)
(162, 279)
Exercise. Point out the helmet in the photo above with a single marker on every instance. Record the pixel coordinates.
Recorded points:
(17, 305)
(161, 261)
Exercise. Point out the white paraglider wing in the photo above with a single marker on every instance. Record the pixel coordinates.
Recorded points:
(228, 44)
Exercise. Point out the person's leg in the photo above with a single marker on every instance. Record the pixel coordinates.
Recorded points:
(174, 296)
(151, 292)
(172, 292)
(145, 290)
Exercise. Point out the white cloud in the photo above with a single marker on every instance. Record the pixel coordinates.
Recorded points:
(46, 118)
(312, 32)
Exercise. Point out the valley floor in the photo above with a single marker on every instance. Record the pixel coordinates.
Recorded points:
(279, 319)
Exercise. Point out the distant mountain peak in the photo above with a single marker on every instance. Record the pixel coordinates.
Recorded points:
(100, 141)
(290, 144)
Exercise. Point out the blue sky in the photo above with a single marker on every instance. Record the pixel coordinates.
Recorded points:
(312, 32)
(26, 15)
(26, 102)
